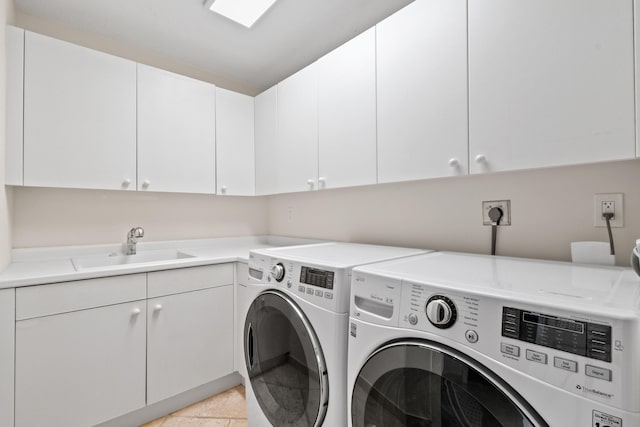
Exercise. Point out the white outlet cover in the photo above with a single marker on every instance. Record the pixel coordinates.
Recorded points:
(618, 200)
(505, 205)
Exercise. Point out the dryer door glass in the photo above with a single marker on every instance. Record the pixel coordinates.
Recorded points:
(284, 361)
(425, 384)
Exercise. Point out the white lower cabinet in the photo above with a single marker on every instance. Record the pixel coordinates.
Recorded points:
(80, 368)
(189, 341)
(7, 340)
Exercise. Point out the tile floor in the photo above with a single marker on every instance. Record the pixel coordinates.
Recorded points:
(227, 409)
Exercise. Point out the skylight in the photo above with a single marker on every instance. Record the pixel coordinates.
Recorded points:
(244, 12)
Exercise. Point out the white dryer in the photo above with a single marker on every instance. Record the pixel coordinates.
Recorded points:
(463, 340)
(295, 332)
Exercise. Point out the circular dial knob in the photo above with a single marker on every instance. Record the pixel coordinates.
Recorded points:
(441, 311)
(277, 272)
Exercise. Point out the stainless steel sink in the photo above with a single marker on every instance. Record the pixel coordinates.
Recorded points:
(116, 260)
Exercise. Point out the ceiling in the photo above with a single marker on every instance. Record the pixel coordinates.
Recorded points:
(291, 35)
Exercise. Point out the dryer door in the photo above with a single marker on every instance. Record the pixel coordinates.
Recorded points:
(284, 361)
(421, 383)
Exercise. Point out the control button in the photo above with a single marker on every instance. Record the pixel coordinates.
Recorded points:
(536, 356)
(319, 293)
(413, 319)
(595, 372)
(328, 295)
(309, 291)
(471, 336)
(301, 288)
(277, 272)
(566, 364)
(510, 349)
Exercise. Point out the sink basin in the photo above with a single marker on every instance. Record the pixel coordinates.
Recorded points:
(115, 260)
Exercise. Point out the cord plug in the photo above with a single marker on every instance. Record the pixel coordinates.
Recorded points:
(495, 215)
(608, 216)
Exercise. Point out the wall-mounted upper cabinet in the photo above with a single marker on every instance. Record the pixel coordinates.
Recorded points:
(234, 143)
(15, 106)
(266, 136)
(176, 133)
(550, 83)
(347, 114)
(296, 165)
(422, 91)
(79, 116)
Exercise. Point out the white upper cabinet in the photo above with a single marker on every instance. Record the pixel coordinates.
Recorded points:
(234, 143)
(550, 83)
(266, 135)
(297, 144)
(79, 116)
(176, 133)
(15, 106)
(347, 114)
(422, 91)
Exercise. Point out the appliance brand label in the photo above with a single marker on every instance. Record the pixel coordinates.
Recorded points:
(594, 391)
(600, 419)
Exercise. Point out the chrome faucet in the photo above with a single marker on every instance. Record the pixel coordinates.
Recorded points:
(132, 238)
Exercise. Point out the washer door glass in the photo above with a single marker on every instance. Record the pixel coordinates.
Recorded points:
(284, 361)
(425, 384)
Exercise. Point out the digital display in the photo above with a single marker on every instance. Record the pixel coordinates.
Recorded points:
(554, 322)
(316, 277)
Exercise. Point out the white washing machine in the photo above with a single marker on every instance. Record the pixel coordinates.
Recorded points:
(462, 340)
(296, 328)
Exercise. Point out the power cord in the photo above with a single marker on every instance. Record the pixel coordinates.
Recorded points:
(495, 215)
(608, 217)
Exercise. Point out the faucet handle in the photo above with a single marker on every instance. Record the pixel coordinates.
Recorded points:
(137, 232)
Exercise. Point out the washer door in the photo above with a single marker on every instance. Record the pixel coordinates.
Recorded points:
(284, 361)
(421, 383)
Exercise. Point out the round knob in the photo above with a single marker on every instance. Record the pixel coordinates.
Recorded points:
(126, 182)
(454, 163)
(136, 311)
(223, 189)
(310, 182)
(322, 182)
(481, 158)
(441, 311)
(413, 318)
(277, 272)
(158, 307)
(146, 183)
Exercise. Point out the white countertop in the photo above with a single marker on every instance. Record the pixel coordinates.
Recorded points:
(50, 265)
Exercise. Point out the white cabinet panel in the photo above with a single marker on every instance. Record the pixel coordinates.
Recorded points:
(79, 116)
(234, 143)
(297, 143)
(161, 283)
(266, 136)
(176, 133)
(7, 338)
(80, 368)
(190, 341)
(15, 105)
(550, 82)
(347, 114)
(422, 91)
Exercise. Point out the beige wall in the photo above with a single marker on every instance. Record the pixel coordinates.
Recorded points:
(58, 217)
(6, 16)
(550, 208)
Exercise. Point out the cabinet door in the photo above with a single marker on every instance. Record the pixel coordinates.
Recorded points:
(422, 91)
(234, 143)
(80, 368)
(297, 144)
(347, 114)
(189, 341)
(15, 106)
(79, 116)
(7, 338)
(266, 134)
(550, 83)
(176, 133)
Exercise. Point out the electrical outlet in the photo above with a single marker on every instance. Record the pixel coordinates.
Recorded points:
(608, 203)
(505, 205)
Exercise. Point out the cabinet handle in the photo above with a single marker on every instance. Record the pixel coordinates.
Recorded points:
(136, 311)
(157, 307)
(223, 189)
(146, 183)
(322, 182)
(310, 182)
(454, 163)
(126, 182)
(481, 158)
